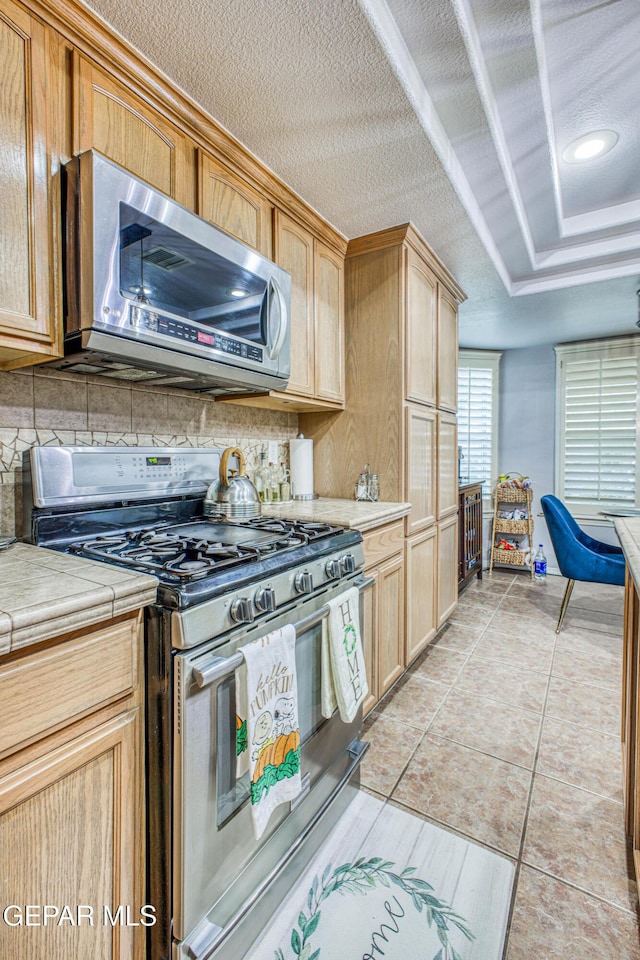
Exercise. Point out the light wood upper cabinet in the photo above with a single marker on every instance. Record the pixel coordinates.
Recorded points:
(329, 324)
(294, 252)
(420, 473)
(233, 205)
(317, 379)
(447, 351)
(447, 465)
(114, 121)
(29, 278)
(420, 353)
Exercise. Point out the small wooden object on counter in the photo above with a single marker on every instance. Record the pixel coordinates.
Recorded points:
(470, 532)
(506, 498)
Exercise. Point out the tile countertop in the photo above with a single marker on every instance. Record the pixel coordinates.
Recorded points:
(628, 530)
(361, 515)
(44, 593)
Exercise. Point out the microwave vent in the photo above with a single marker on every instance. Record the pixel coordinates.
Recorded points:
(166, 259)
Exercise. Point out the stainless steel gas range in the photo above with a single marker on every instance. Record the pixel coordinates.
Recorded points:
(221, 584)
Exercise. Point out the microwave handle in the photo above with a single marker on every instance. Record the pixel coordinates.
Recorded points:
(283, 318)
(217, 668)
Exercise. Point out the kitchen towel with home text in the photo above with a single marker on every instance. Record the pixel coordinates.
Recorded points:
(343, 671)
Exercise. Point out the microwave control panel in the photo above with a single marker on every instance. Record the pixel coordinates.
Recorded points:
(170, 327)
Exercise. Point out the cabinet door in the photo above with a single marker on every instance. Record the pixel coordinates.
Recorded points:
(447, 568)
(420, 352)
(630, 710)
(294, 252)
(420, 472)
(115, 122)
(421, 591)
(447, 350)
(29, 291)
(390, 617)
(70, 833)
(369, 627)
(231, 204)
(329, 324)
(447, 465)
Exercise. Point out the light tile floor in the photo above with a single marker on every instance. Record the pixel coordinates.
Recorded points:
(510, 735)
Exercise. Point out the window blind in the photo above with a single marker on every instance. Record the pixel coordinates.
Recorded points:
(600, 429)
(476, 423)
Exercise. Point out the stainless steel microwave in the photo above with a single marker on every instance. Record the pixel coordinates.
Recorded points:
(156, 294)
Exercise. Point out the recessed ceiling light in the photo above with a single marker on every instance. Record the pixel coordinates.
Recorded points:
(237, 293)
(590, 146)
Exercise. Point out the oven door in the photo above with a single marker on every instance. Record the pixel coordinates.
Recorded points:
(219, 868)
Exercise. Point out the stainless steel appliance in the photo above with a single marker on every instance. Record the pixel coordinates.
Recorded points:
(156, 293)
(220, 584)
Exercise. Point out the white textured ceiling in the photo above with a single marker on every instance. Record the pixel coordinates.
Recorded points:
(450, 113)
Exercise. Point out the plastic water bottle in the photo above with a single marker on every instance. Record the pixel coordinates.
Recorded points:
(540, 565)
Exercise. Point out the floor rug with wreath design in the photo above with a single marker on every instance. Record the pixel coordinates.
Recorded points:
(386, 885)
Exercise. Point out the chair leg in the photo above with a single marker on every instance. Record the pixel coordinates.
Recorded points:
(565, 602)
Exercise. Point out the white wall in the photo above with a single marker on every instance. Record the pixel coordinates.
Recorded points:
(527, 433)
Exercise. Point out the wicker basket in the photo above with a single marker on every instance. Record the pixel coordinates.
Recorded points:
(517, 557)
(511, 526)
(513, 494)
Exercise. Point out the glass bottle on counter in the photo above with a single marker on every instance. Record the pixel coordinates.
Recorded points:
(262, 480)
(274, 482)
(285, 483)
(374, 489)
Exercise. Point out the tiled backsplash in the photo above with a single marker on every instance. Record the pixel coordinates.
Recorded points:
(44, 406)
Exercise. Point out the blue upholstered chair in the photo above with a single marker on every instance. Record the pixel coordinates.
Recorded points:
(580, 557)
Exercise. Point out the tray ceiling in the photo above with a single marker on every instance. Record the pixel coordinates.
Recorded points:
(453, 114)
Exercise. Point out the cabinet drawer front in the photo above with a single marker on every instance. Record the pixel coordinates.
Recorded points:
(50, 689)
(383, 542)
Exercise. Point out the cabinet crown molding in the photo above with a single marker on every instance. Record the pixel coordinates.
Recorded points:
(407, 233)
(90, 35)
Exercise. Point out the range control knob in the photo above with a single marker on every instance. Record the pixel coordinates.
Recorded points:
(348, 563)
(242, 610)
(265, 600)
(333, 569)
(303, 582)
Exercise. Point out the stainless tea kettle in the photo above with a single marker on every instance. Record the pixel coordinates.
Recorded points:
(235, 497)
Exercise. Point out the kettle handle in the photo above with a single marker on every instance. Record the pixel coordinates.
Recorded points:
(224, 463)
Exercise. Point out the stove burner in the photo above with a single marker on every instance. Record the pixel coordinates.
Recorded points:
(183, 565)
(183, 552)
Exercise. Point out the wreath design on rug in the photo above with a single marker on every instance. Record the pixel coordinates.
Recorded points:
(359, 877)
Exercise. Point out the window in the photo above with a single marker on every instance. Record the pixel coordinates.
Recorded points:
(478, 415)
(597, 430)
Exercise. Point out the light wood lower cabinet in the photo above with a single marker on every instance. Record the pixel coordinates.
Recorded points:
(384, 634)
(422, 587)
(630, 716)
(71, 798)
(447, 567)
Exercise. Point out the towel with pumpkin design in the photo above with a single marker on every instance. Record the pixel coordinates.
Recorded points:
(272, 728)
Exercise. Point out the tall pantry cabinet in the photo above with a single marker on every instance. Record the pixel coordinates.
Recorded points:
(401, 391)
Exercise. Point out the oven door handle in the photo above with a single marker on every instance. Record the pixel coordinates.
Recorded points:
(218, 668)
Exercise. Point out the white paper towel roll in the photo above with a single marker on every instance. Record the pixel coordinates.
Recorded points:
(301, 462)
